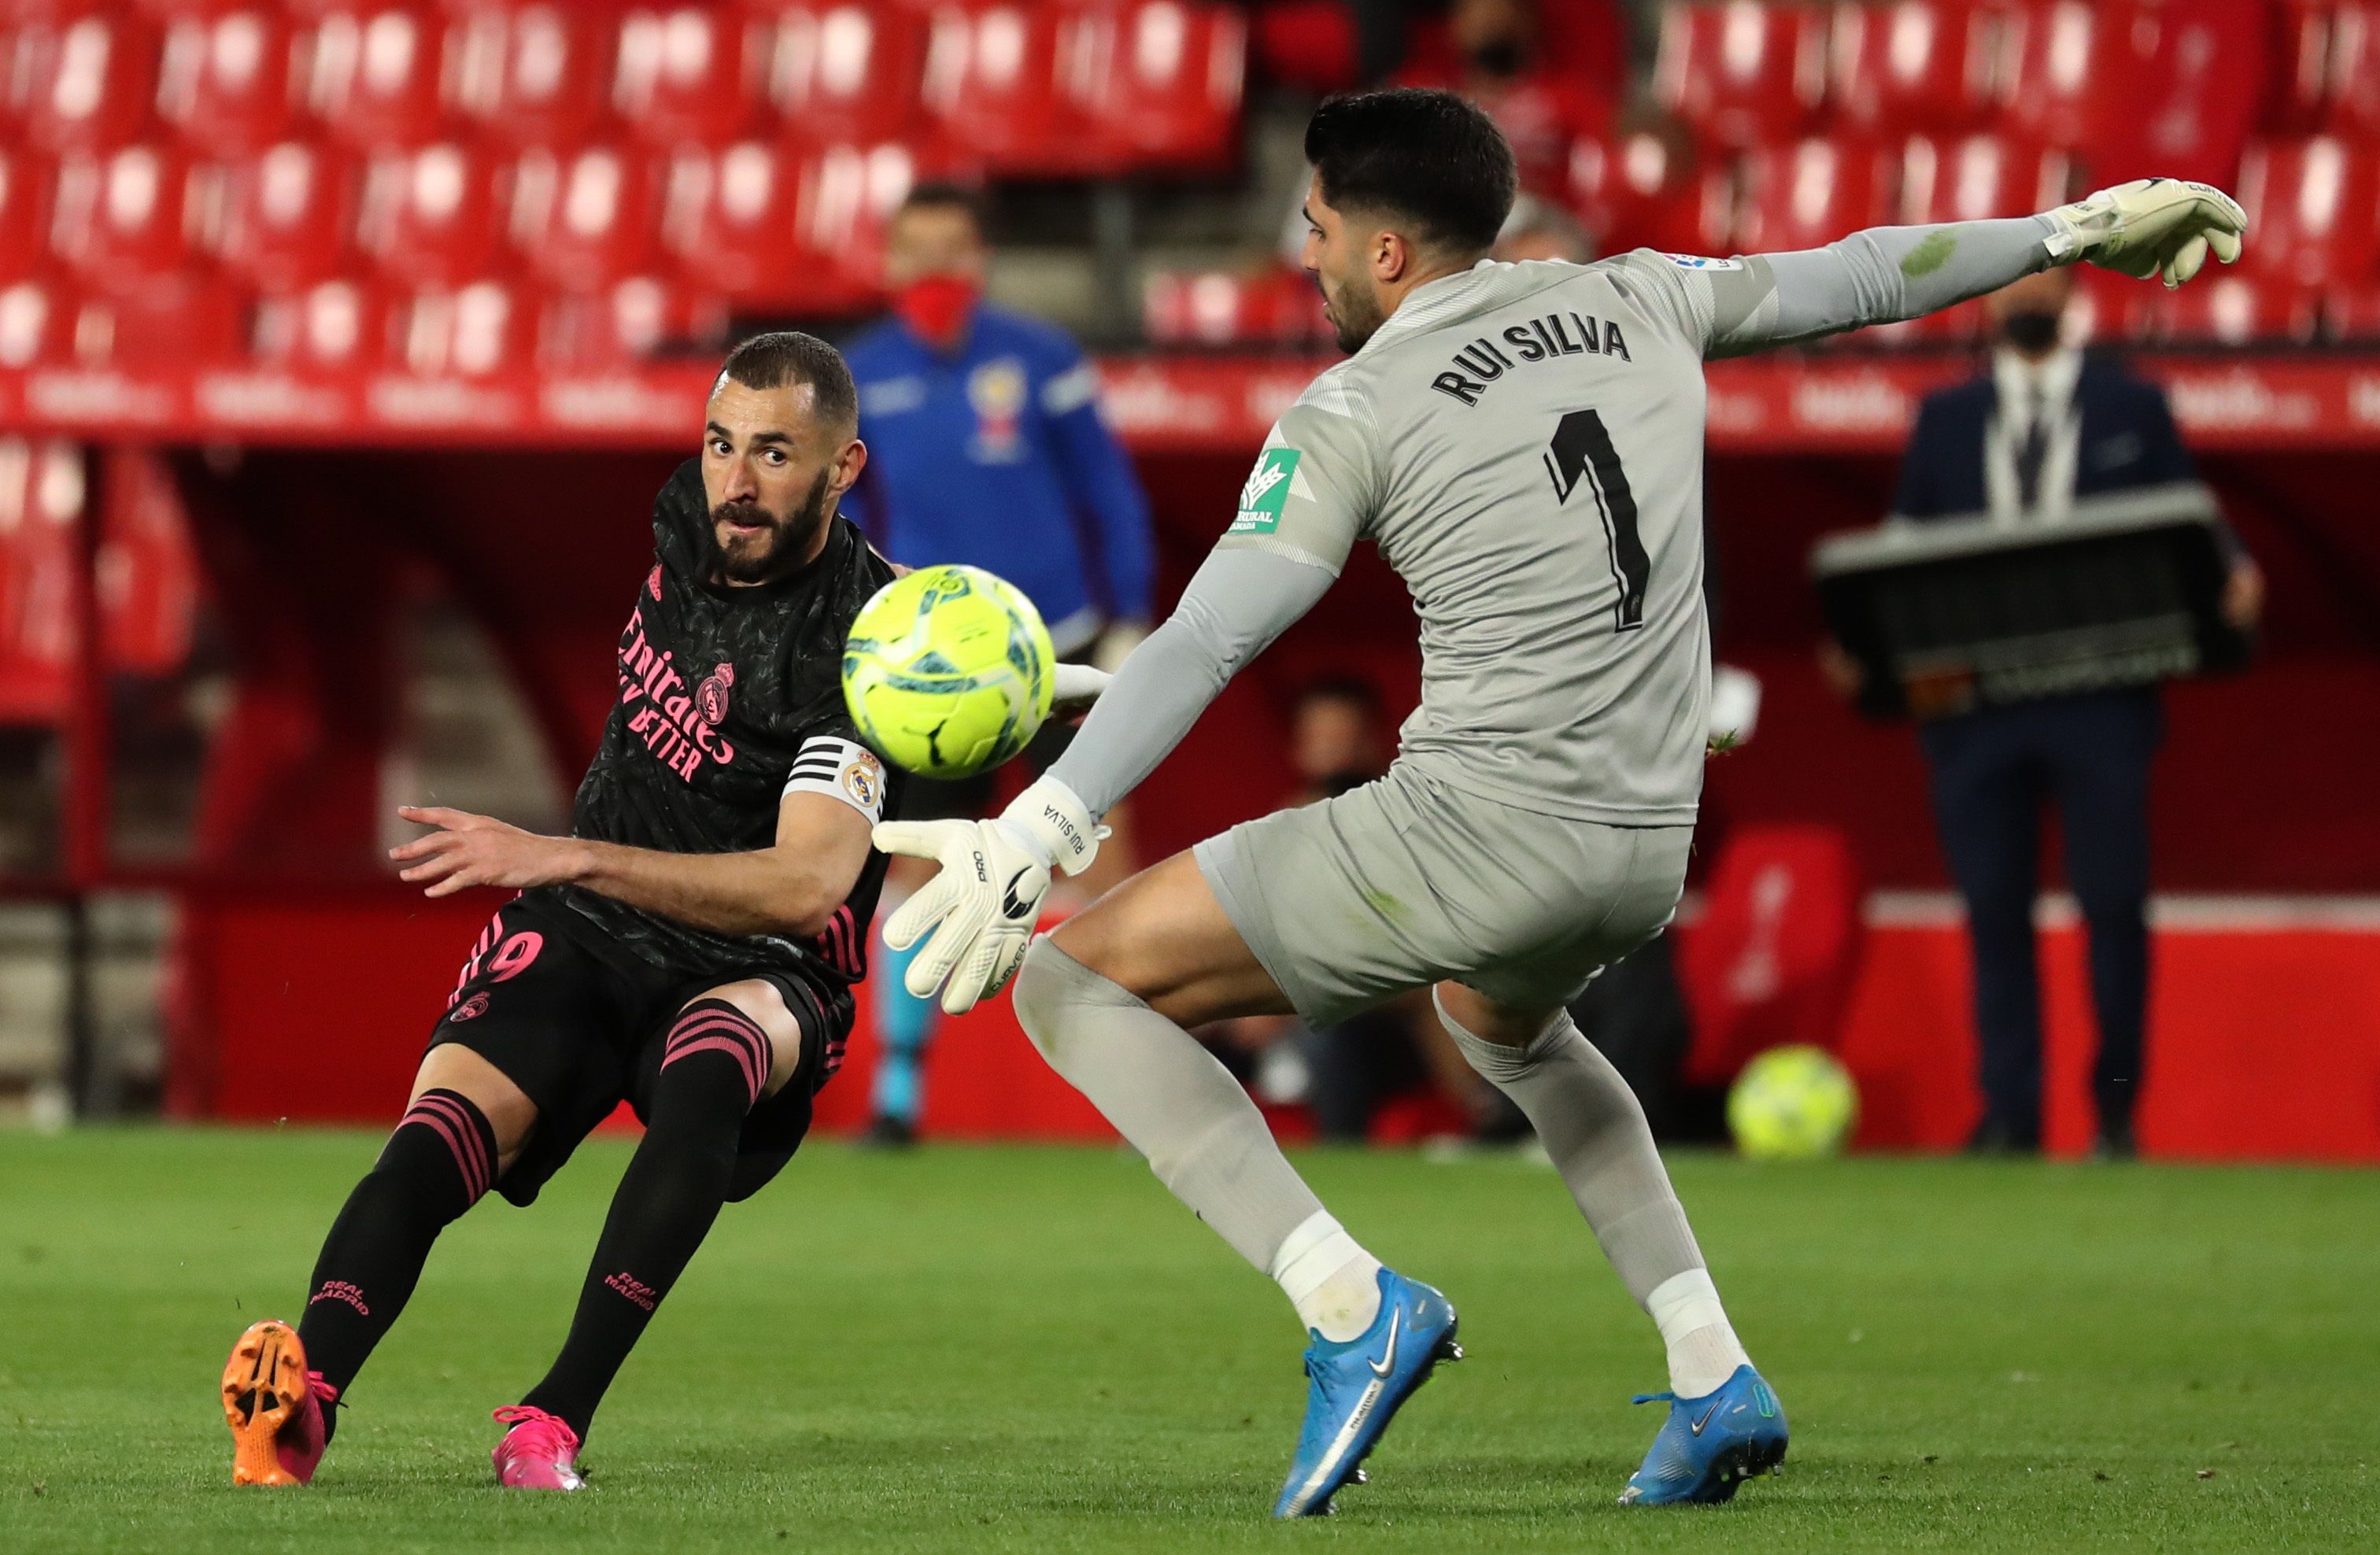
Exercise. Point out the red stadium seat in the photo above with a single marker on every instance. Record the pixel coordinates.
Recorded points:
(2231, 308)
(378, 78)
(761, 227)
(1006, 86)
(1279, 309)
(288, 216)
(539, 73)
(691, 73)
(2300, 98)
(2111, 308)
(2311, 209)
(432, 217)
(37, 318)
(588, 219)
(1977, 176)
(27, 185)
(40, 497)
(2353, 74)
(1914, 66)
(637, 317)
(89, 75)
(227, 82)
(1642, 191)
(469, 332)
(843, 72)
(1169, 76)
(125, 220)
(1807, 194)
(168, 323)
(2063, 57)
(1741, 72)
(339, 324)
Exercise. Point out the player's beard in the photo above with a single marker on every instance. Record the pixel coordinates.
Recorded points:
(1355, 314)
(784, 545)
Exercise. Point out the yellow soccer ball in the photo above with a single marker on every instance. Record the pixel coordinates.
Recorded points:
(1793, 1104)
(948, 671)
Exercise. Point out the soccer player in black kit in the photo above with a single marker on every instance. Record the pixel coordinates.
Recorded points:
(689, 948)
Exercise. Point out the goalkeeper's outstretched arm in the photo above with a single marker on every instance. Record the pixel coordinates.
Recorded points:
(2155, 226)
(1237, 604)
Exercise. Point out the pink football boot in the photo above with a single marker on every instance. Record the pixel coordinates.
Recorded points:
(539, 1454)
(274, 1407)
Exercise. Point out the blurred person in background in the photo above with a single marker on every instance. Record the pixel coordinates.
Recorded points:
(987, 448)
(1501, 62)
(2042, 427)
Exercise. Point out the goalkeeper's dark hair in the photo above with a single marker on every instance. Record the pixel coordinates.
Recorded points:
(788, 357)
(1429, 158)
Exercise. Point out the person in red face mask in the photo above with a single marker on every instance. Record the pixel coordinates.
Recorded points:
(987, 446)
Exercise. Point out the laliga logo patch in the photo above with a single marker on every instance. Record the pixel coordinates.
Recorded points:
(653, 583)
(863, 779)
(1702, 261)
(471, 1008)
(710, 697)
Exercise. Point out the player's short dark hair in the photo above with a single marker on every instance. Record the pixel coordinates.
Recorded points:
(787, 355)
(944, 194)
(1430, 157)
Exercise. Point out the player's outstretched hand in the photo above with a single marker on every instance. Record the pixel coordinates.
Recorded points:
(468, 850)
(981, 906)
(2164, 227)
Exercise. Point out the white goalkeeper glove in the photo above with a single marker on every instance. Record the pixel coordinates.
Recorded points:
(2151, 226)
(981, 906)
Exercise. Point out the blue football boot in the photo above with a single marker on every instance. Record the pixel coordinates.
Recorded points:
(1709, 1446)
(1357, 1388)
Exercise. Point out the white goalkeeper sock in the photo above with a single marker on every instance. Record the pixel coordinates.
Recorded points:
(1328, 1278)
(1703, 1351)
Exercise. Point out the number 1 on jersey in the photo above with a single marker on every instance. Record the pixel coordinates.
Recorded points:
(1582, 446)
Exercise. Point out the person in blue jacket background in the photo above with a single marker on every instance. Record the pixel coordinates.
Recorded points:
(985, 446)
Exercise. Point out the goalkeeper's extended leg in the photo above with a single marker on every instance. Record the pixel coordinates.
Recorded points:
(1724, 1422)
(1376, 1335)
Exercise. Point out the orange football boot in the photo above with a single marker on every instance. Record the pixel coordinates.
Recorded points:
(274, 1407)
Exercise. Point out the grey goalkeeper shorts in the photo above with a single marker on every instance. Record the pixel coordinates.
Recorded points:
(1404, 883)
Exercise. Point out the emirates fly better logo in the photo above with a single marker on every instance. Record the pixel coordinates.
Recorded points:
(1266, 493)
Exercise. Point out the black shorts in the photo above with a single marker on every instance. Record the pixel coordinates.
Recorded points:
(581, 1033)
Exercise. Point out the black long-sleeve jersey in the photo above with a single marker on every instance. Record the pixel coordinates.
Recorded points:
(729, 698)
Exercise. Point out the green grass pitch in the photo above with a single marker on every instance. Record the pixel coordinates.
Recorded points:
(1038, 1350)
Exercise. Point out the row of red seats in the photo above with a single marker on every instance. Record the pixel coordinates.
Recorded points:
(2311, 271)
(756, 225)
(2313, 203)
(1028, 87)
(2114, 79)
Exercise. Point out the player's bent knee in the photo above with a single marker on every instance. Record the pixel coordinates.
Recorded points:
(511, 1116)
(1040, 987)
(749, 1023)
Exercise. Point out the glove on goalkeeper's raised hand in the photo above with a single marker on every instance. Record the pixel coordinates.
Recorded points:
(982, 904)
(2151, 226)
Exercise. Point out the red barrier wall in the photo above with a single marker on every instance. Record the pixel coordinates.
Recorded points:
(2264, 1030)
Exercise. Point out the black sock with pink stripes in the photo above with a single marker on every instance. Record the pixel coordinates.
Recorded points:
(439, 1161)
(713, 1067)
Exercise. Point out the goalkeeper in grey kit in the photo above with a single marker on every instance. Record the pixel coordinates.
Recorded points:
(1523, 444)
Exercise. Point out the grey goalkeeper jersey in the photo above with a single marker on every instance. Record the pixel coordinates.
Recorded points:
(1524, 443)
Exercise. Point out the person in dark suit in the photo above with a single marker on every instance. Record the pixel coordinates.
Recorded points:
(2043, 427)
